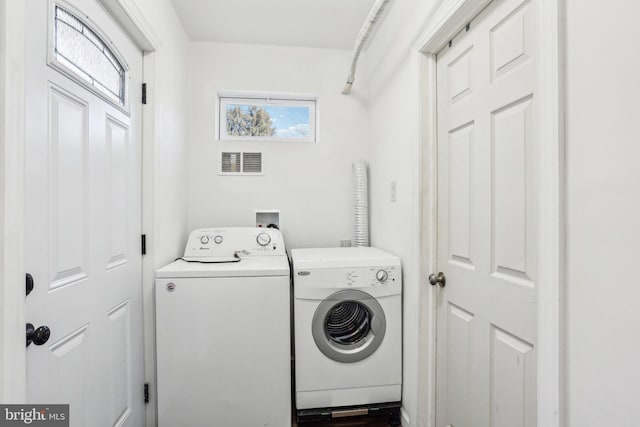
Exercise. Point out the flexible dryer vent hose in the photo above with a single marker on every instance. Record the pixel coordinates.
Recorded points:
(361, 204)
(375, 14)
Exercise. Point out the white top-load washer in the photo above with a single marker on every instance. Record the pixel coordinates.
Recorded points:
(223, 331)
(348, 327)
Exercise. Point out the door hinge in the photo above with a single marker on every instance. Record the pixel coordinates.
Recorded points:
(143, 244)
(146, 392)
(144, 93)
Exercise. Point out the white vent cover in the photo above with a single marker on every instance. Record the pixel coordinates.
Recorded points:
(252, 163)
(241, 163)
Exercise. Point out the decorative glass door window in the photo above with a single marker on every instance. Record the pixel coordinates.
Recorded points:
(79, 50)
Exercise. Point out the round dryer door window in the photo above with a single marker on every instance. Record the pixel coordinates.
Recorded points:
(348, 326)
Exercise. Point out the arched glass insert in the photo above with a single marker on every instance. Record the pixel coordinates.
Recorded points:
(79, 49)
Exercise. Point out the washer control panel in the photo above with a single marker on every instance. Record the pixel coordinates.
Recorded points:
(224, 242)
(360, 277)
(263, 239)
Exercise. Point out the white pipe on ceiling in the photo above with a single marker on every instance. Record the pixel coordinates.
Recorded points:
(374, 15)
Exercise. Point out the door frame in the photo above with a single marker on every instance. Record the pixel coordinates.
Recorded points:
(444, 24)
(14, 20)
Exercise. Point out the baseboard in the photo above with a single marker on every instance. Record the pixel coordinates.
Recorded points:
(405, 417)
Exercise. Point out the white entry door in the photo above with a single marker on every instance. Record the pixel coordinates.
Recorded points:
(83, 213)
(487, 226)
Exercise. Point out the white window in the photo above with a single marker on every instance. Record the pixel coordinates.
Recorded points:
(82, 54)
(267, 118)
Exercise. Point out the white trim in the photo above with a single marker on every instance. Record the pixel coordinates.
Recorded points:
(551, 190)
(428, 241)
(13, 21)
(148, 261)
(264, 95)
(133, 22)
(446, 22)
(404, 418)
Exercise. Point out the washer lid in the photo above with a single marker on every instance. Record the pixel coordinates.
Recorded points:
(341, 257)
(246, 267)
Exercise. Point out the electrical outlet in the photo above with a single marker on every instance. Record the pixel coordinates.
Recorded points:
(394, 197)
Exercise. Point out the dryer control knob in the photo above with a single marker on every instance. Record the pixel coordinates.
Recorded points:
(204, 240)
(218, 239)
(263, 239)
(382, 276)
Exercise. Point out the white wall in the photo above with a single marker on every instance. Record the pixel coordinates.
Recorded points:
(310, 182)
(603, 177)
(165, 161)
(389, 79)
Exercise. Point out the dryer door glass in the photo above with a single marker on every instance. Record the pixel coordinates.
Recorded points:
(348, 323)
(348, 326)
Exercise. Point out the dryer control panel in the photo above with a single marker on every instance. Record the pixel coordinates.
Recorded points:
(360, 277)
(225, 242)
(349, 277)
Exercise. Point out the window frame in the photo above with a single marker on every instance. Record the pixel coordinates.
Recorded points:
(53, 62)
(266, 99)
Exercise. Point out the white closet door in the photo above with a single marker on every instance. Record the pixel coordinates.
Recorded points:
(486, 319)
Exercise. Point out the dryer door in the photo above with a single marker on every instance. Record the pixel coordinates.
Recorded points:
(348, 326)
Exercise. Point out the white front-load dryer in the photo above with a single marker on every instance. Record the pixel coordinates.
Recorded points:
(348, 327)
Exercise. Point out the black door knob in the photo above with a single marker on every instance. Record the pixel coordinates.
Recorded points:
(37, 336)
(30, 330)
(29, 283)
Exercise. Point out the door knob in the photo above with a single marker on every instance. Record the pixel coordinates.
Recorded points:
(438, 279)
(29, 283)
(37, 336)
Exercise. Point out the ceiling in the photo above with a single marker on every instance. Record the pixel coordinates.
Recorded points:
(311, 23)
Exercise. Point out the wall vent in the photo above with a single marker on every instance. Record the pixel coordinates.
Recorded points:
(241, 163)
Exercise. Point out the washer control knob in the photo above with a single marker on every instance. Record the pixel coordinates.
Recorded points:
(218, 239)
(382, 276)
(263, 239)
(204, 240)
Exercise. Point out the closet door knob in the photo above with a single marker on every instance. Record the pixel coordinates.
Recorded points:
(438, 279)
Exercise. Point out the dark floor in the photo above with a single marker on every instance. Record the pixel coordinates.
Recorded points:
(381, 421)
